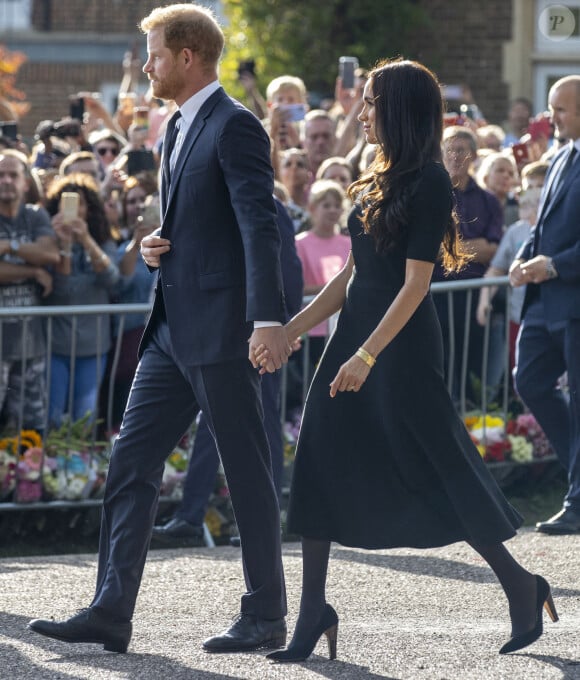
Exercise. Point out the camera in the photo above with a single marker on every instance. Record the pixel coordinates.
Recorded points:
(9, 129)
(247, 67)
(62, 128)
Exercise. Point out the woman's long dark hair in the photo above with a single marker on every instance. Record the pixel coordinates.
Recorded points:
(409, 128)
(97, 222)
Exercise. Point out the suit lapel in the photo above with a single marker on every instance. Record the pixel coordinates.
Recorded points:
(547, 188)
(563, 187)
(191, 137)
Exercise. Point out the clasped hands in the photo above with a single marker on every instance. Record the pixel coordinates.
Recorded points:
(350, 377)
(269, 348)
(529, 271)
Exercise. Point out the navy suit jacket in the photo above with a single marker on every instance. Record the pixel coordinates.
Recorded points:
(291, 265)
(557, 235)
(223, 269)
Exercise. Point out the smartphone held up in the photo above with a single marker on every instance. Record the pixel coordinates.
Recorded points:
(69, 206)
(347, 67)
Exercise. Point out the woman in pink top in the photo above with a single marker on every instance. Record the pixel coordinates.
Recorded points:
(323, 251)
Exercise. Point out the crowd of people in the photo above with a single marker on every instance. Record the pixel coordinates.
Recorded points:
(427, 205)
(110, 160)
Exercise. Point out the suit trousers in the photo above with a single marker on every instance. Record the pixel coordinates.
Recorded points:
(203, 466)
(543, 355)
(164, 400)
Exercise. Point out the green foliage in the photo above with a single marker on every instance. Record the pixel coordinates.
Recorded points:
(73, 436)
(306, 39)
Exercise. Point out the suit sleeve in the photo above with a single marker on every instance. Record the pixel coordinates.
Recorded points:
(244, 156)
(291, 265)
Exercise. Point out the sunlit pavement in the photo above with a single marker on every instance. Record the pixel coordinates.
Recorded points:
(432, 614)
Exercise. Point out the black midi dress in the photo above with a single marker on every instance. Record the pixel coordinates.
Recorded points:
(393, 464)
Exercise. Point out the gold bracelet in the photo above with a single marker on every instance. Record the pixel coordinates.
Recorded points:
(368, 358)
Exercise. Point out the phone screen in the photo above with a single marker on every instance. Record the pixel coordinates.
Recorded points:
(295, 112)
(346, 68)
(141, 117)
(69, 205)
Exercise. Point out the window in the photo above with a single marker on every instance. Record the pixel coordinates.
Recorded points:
(15, 15)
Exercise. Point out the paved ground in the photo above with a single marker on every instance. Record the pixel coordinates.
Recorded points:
(404, 614)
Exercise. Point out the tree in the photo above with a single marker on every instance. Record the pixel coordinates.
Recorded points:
(12, 100)
(305, 39)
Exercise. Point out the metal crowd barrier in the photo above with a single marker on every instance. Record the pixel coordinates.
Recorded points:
(106, 312)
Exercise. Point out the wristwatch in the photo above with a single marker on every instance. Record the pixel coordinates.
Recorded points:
(14, 246)
(550, 269)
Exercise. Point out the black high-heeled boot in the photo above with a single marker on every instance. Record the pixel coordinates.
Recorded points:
(543, 600)
(299, 650)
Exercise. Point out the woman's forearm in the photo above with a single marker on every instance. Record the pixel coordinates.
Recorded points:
(325, 304)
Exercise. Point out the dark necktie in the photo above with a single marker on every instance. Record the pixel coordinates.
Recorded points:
(169, 141)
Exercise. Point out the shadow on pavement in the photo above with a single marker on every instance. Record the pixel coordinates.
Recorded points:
(430, 565)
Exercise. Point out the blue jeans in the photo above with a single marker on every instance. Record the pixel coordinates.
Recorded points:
(88, 373)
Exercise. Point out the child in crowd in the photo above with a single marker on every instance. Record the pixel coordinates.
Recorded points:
(323, 251)
(339, 170)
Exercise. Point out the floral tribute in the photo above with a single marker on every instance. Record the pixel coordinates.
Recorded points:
(67, 465)
(519, 440)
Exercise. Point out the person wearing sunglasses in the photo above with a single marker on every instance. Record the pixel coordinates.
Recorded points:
(106, 145)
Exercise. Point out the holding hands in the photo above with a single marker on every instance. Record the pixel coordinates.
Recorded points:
(269, 348)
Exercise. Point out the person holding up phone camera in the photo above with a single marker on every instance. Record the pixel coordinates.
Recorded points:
(287, 106)
(86, 274)
(140, 216)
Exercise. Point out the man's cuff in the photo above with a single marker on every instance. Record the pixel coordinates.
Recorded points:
(266, 324)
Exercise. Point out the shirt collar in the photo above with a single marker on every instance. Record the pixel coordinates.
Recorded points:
(190, 108)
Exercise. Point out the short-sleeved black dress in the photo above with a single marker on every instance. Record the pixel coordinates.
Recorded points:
(393, 464)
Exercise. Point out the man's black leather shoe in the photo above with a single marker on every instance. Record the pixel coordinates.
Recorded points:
(89, 625)
(565, 522)
(177, 532)
(248, 633)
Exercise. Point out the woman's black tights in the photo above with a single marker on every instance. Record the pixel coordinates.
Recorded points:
(518, 584)
(315, 556)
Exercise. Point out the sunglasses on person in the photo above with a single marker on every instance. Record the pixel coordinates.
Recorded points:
(102, 150)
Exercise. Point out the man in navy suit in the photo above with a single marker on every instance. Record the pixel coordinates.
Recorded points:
(219, 284)
(549, 341)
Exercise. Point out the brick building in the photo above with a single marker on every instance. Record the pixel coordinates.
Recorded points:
(498, 48)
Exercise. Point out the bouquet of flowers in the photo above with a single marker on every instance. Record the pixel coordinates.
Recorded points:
(519, 440)
(75, 465)
(21, 461)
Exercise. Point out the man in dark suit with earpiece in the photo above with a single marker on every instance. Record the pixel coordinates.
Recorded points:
(219, 296)
(549, 341)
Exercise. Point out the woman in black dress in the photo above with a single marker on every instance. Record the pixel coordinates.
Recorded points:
(385, 442)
